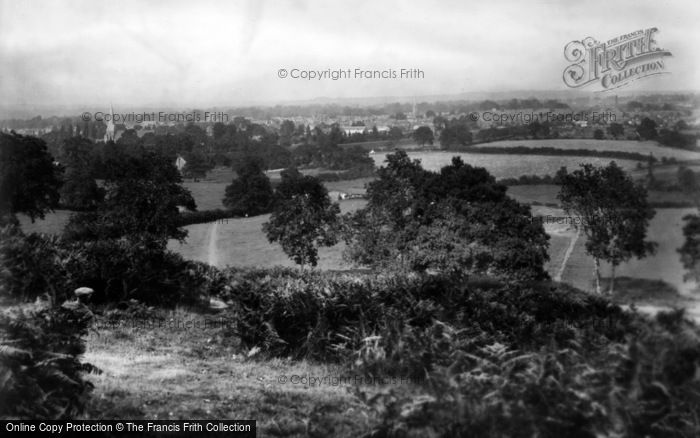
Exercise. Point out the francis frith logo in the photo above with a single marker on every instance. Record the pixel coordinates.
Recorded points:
(616, 62)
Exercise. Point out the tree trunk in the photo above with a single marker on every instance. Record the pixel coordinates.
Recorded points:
(597, 276)
(612, 280)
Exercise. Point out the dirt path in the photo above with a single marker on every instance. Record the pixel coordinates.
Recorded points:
(569, 250)
(212, 253)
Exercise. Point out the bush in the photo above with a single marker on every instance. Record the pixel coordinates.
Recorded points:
(41, 376)
(117, 269)
(330, 316)
(642, 387)
(36, 264)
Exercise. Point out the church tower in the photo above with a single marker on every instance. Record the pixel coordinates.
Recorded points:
(109, 135)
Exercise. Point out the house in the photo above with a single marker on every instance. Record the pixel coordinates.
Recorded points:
(180, 163)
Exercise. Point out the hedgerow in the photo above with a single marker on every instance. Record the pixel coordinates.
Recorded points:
(117, 269)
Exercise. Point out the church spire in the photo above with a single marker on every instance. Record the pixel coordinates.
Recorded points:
(109, 135)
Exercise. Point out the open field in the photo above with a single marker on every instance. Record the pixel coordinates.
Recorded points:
(177, 365)
(642, 147)
(507, 166)
(207, 194)
(241, 242)
(665, 229)
(547, 194)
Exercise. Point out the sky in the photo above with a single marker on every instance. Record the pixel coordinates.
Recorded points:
(228, 53)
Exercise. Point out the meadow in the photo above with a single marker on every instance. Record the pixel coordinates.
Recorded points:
(642, 147)
(506, 166)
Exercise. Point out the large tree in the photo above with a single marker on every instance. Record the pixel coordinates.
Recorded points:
(459, 219)
(304, 218)
(647, 129)
(423, 135)
(250, 193)
(196, 165)
(455, 133)
(142, 201)
(614, 213)
(29, 178)
(80, 190)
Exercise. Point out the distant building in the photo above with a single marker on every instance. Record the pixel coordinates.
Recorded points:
(109, 134)
(349, 130)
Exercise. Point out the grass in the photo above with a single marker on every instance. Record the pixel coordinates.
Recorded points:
(207, 194)
(185, 368)
(540, 193)
(507, 165)
(241, 242)
(547, 194)
(642, 147)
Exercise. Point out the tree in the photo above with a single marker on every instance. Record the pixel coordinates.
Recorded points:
(455, 220)
(196, 165)
(647, 129)
(303, 219)
(219, 130)
(687, 180)
(79, 191)
(142, 196)
(395, 133)
(29, 178)
(423, 135)
(560, 175)
(690, 251)
(616, 130)
(598, 134)
(614, 213)
(250, 193)
(455, 133)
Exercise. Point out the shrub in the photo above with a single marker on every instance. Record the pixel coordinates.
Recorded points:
(41, 376)
(117, 269)
(330, 316)
(644, 387)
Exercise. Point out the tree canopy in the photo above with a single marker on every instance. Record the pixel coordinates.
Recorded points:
(250, 192)
(303, 219)
(141, 201)
(458, 219)
(614, 213)
(29, 178)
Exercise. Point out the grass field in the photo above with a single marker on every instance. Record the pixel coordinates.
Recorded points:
(241, 242)
(642, 147)
(664, 265)
(506, 166)
(183, 368)
(547, 194)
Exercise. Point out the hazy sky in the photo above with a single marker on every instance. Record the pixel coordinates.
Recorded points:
(190, 53)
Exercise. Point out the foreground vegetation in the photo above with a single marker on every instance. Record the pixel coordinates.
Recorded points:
(458, 306)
